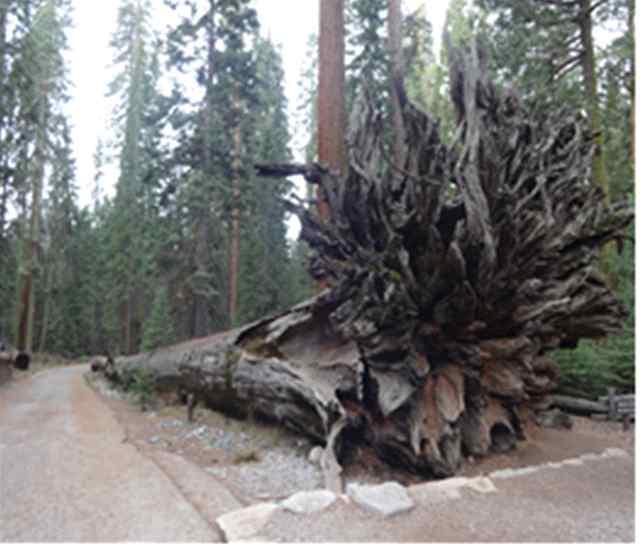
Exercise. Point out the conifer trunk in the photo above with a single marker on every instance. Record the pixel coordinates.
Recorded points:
(234, 243)
(397, 71)
(331, 78)
(591, 95)
(4, 172)
(632, 82)
(26, 306)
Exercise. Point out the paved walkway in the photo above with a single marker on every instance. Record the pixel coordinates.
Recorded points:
(67, 476)
(590, 502)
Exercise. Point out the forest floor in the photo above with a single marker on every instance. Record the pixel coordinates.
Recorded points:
(258, 462)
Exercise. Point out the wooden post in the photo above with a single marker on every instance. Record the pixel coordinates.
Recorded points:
(191, 406)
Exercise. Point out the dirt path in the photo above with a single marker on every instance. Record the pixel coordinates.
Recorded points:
(67, 474)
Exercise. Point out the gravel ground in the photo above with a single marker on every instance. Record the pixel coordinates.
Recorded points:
(257, 462)
(254, 461)
(275, 476)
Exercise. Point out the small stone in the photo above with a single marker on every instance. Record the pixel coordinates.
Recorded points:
(316, 454)
(154, 440)
(435, 492)
(246, 523)
(171, 424)
(513, 472)
(308, 502)
(451, 483)
(615, 452)
(481, 484)
(389, 498)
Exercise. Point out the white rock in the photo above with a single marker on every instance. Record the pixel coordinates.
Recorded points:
(450, 483)
(615, 452)
(389, 498)
(481, 484)
(513, 472)
(316, 454)
(307, 502)
(573, 462)
(245, 524)
(435, 492)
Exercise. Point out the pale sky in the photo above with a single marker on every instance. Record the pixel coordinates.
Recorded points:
(288, 22)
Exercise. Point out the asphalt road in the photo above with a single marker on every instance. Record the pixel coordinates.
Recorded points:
(67, 476)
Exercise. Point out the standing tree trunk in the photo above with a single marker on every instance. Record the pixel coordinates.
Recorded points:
(591, 95)
(632, 81)
(331, 107)
(201, 316)
(397, 72)
(234, 243)
(26, 306)
(331, 90)
(46, 307)
(4, 171)
(593, 106)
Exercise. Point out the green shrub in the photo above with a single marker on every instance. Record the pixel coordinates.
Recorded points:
(140, 383)
(593, 366)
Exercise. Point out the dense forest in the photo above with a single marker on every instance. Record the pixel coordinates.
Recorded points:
(192, 241)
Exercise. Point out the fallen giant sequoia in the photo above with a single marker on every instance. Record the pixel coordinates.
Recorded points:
(450, 274)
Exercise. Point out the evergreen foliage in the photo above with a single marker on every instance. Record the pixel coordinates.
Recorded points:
(158, 327)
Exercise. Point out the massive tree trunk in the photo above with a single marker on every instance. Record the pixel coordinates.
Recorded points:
(331, 109)
(450, 279)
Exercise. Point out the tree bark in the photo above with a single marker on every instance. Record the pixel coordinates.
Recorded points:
(331, 108)
(4, 168)
(26, 306)
(449, 283)
(578, 406)
(234, 243)
(591, 95)
(632, 81)
(397, 77)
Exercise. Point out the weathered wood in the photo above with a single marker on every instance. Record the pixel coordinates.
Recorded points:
(619, 406)
(579, 406)
(449, 279)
